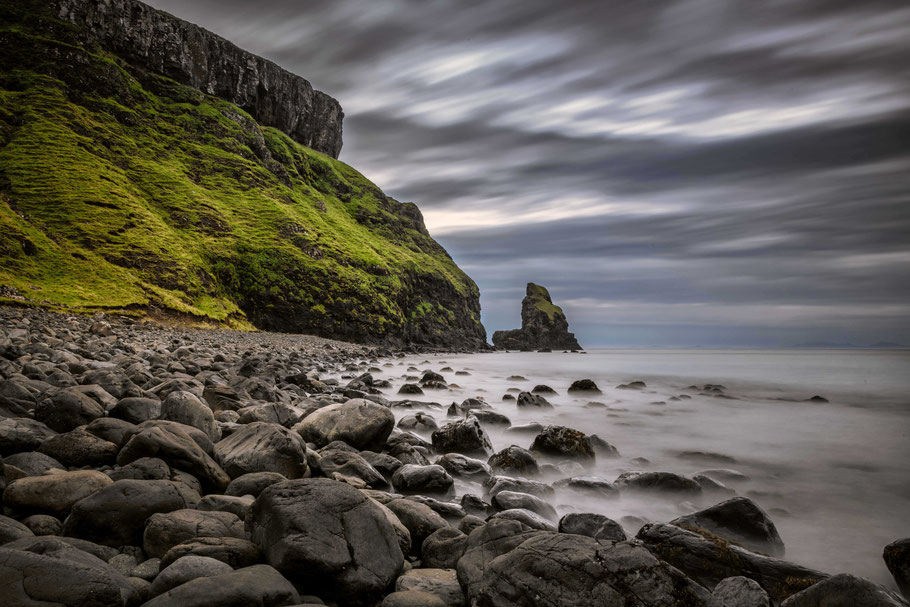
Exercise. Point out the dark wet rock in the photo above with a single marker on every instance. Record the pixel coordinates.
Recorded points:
(234, 551)
(526, 399)
(466, 407)
(105, 553)
(485, 544)
(18, 434)
(116, 514)
(328, 537)
(443, 547)
(738, 520)
(497, 483)
(632, 385)
(360, 423)
(32, 462)
(450, 511)
(588, 485)
(114, 381)
(144, 468)
(412, 598)
(196, 435)
(43, 524)
(270, 413)
(508, 500)
(67, 409)
(111, 429)
(844, 590)
(543, 389)
(420, 422)
(174, 446)
(817, 399)
(543, 325)
(235, 504)
(259, 585)
(602, 448)
(185, 569)
(462, 466)
(593, 525)
(658, 482)
(185, 408)
(262, 447)
(708, 561)
(711, 487)
(12, 530)
(410, 389)
(253, 483)
(526, 517)
(351, 465)
(491, 418)
(897, 558)
(514, 460)
(562, 441)
(506, 397)
(383, 462)
(738, 591)
(53, 572)
(53, 493)
(419, 519)
(163, 531)
(137, 409)
(78, 448)
(584, 385)
(465, 436)
(562, 569)
(474, 505)
(432, 479)
(516, 378)
(440, 583)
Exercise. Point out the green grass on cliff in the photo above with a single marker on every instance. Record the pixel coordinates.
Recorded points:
(124, 190)
(541, 298)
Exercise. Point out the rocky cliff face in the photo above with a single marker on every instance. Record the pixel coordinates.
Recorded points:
(543, 325)
(168, 46)
(123, 188)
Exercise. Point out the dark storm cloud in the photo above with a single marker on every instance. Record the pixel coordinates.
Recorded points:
(730, 172)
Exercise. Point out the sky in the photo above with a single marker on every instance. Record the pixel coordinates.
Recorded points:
(677, 173)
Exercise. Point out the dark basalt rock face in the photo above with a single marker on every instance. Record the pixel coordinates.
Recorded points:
(166, 45)
(543, 325)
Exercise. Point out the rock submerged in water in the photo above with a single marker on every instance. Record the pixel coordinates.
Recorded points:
(543, 325)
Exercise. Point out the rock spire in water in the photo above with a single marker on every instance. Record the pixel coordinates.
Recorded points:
(543, 325)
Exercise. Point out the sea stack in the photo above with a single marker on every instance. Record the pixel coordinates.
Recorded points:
(543, 325)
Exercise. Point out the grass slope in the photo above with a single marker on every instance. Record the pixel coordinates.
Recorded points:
(123, 190)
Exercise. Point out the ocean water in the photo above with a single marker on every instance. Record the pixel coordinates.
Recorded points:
(834, 477)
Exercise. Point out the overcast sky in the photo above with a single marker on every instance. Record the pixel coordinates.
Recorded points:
(679, 172)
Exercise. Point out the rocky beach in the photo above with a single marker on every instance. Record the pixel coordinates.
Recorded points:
(155, 465)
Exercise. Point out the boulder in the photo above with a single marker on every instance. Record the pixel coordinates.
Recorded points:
(412, 598)
(178, 449)
(143, 469)
(43, 524)
(33, 463)
(465, 436)
(593, 525)
(514, 460)
(55, 492)
(419, 519)
(708, 561)
(560, 441)
(442, 548)
(584, 385)
(253, 483)
(739, 521)
(164, 530)
(186, 408)
(12, 530)
(353, 465)
(419, 422)
(51, 572)
(137, 409)
(272, 413)
(565, 569)
(588, 485)
(239, 505)
(64, 410)
(738, 591)
(187, 568)
(441, 583)
(485, 544)
(897, 558)
(844, 590)
(411, 479)
(114, 381)
(507, 500)
(111, 429)
(360, 423)
(462, 466)
(115, 515)
(78, 448)
(259, 585)
(657, 482)
(498, 483)
(234, 551)
(328, 537)
(262, 447)
(526, 517)
(527, 399)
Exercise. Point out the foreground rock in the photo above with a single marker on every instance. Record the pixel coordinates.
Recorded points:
(360, 423)
(738, 520)
(329, 537)
(543, 325)
(53, 493)
(844, 590)
(565, 569)
(258, 585)
(262, 447)
(897, 558)
(465, 436)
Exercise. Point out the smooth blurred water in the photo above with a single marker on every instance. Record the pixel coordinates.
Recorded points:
(835, 476)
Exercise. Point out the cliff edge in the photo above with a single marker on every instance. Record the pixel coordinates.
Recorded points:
(543, 325)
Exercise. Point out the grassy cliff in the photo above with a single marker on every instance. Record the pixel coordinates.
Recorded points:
(123, 190)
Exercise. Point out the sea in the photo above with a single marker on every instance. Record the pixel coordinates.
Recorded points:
(834, 476)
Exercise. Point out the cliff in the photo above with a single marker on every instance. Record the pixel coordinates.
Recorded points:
(124, 189)
(163, 44)
(543, 325)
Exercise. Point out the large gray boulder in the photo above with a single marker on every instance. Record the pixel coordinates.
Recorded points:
(708, 561)
(485, 544)
(79, 448)
(187, 568)
(347, 464)
(565, 569)
(897, 558)
(186, 408)
(18, 434)
(422, 480)
(465, 436)
(52, 572)
(593, 525)
(738, 520)
(420, 520)
(844, 590)
(116, 515)
(234, 551)
(259, 585)
(360, 423)
(262, 447)
(328, 537)
(668, 483)
(64, 410)
(179, 450)
(164, 530)
(53, 493)
(739, 591)
(562, 442)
